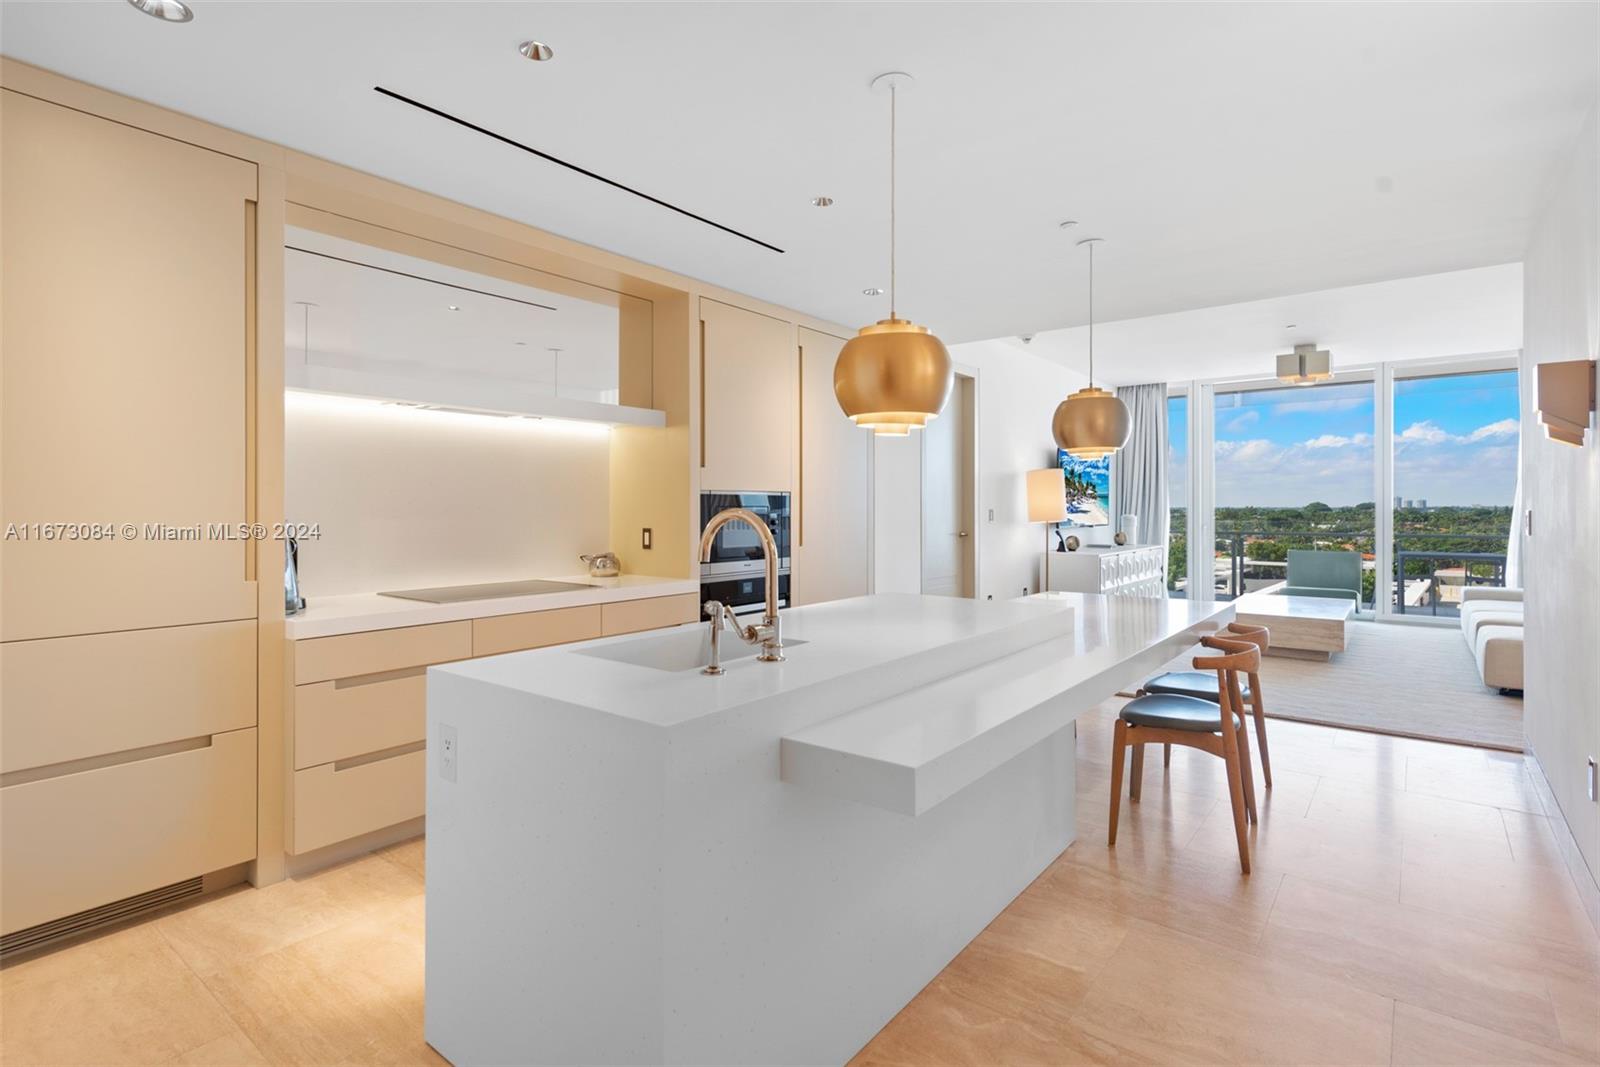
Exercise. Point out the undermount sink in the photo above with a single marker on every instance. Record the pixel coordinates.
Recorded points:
(684, 649)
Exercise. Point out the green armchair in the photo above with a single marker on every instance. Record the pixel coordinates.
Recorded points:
(1326, 574)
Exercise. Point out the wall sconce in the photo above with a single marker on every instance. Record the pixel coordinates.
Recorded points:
(1565, 398)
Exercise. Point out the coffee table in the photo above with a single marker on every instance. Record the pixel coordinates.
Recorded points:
(1303, 627)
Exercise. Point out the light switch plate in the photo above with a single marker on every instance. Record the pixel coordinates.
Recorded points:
(447, 752)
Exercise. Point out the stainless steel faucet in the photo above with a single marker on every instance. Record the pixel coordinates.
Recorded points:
(768, 631)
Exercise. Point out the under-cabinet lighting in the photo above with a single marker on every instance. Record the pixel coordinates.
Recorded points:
(366, 407)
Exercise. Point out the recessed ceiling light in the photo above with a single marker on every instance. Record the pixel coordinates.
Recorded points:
(874, 291)
(455, 307)
(165, 10)
(1289, 327)
(520, 343)
(1068, 224)
(537, 51)
(822, 201)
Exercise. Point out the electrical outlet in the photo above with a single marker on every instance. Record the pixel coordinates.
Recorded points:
(447, 752)
(644, 538)
(991, 514)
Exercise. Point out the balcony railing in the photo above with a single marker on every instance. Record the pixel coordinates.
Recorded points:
(1419, 584)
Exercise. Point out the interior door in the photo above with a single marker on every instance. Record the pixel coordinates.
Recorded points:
(948, 555)
(833, 486)
(123, 425)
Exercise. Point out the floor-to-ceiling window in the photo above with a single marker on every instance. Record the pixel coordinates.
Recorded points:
(1293, 470)
(1455, 475)
(1178, 493)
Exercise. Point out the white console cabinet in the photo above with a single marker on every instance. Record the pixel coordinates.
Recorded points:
(1125, 570)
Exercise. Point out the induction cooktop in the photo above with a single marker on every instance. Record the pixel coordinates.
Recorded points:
(451, 594)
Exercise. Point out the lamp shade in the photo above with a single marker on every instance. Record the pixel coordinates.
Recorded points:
(1047, 495)
(1091, 423)
(1304, 366)
(893, 376)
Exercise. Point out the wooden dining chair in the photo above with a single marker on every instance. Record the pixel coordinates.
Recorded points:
(1203, 684)
(1214, 727)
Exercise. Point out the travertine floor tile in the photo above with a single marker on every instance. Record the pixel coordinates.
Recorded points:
(247, 923)
(1577, 1003)
(410, 854)
(1166, 998)
(1424, 1038)
(1529, 897)
(129, 1000)
(1490, 976)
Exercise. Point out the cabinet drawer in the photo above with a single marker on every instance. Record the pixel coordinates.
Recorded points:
(81, 840)
(534, 629)
(348, 717)
(69, 698)
(348, 655)
(628, 616)
(334, 803)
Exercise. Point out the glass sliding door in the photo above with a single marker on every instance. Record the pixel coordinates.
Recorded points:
(1178, 494)
(1294, 471)
(1455, 477)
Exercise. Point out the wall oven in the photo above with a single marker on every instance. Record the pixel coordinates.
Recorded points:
(736, 573)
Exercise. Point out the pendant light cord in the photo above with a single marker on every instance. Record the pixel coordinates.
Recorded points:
(1091, 316)
(893, 96)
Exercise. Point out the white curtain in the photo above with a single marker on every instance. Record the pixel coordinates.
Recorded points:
(1139, 470)
(1514, 537)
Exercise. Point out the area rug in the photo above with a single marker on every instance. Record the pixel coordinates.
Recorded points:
(1410, 681)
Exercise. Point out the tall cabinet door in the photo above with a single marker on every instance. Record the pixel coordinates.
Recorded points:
(833, 491)
(124, 360)
(747, 410)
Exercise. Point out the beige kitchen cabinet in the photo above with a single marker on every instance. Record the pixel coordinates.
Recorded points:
(358, 711)
(748, 400)
(126, 356)
(75, 698)
(832, 508)
(535, 629)
(631, 616)
(73, 842)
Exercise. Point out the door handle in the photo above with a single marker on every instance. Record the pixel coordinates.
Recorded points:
(963, 533)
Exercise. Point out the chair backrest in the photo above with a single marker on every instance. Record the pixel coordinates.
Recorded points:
(1238, 654)
(1335, 573)
(1259, 636)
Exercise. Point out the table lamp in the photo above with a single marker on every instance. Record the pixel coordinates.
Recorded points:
(1047, 503)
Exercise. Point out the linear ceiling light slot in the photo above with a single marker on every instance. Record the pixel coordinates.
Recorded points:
(503, 139)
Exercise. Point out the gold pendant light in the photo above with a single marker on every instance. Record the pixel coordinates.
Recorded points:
(894, 375)
(1091, 423)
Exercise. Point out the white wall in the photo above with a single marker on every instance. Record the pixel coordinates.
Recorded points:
(1017, 395)
(1561, 486)
(412, 498)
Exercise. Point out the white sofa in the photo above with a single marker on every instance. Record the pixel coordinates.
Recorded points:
(1491, 621)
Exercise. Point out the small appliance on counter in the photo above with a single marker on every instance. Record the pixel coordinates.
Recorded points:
(603, 565)
(735, 574)
(293, 602)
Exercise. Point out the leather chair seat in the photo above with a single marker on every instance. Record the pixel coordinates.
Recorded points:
(1170, 711)
(1202, 684)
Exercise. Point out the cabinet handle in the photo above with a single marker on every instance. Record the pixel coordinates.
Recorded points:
(704, 415)
(379, 756)
(800, 421)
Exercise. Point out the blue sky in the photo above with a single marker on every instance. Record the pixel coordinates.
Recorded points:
(1455, 443)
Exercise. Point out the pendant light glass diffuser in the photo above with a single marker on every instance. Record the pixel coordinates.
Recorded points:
(894, 375)
(1091, 423)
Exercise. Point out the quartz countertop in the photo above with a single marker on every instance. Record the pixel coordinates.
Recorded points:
(361, 612)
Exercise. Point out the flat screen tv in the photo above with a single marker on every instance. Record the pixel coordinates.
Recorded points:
(1088, 489)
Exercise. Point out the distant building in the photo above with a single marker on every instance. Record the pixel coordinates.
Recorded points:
(1396, 501)
(1410, 503)
(1422, 504)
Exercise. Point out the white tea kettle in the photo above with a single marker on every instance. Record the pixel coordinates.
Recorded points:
(603, 565)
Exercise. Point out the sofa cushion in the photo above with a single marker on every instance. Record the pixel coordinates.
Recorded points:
(1499, 654)
(1474, 613)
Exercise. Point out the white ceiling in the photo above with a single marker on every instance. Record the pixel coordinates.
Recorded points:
(1229, 152)
(1462, 313)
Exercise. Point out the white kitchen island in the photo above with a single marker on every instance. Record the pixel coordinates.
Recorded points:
(631, 862)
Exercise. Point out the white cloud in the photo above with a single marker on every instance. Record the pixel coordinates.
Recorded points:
(1242, 420)
(1425, 432)
(1333, 440)
(1503, 428)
